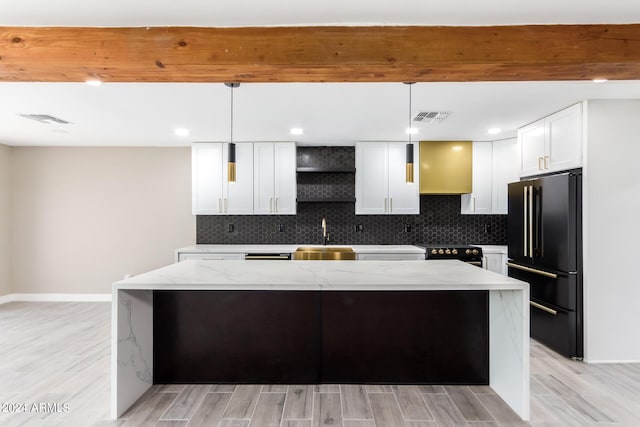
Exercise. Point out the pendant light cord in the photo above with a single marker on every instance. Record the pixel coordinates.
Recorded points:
(231, 127)
(409, 128)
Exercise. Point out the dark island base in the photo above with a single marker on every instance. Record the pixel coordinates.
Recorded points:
(307, 337)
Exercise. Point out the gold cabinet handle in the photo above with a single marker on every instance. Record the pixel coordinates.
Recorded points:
(225, 205)
(390, 204)
(532, 270)
(524, 221)
(385, 205)
(219, 205)
(540, 160)
(276, 204)
(473, 199)
(531, 221)
(543, 308)
(545, 161)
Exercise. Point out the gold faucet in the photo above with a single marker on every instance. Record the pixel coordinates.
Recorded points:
(325, 235)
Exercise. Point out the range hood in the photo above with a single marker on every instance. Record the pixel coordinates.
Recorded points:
(445, 167)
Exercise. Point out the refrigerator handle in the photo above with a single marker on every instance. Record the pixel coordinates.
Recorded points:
(531, 221)
(525, 221)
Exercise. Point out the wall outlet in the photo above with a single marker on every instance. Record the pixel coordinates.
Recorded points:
(407, 228)
(487, 228)
(359, 228)
(281, 228)
(231, 228)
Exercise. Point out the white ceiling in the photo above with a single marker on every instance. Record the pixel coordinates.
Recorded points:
(146, 114)
(220, 13)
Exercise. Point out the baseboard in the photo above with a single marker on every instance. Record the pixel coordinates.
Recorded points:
(56, 298)
(609, 362)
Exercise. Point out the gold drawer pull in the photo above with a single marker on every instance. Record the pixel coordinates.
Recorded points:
(533, 270)
(543, 308)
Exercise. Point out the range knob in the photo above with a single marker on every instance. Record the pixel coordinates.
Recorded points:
(455, 252)
(468, 252)
(440, 251)
(448, 252)
(475, 252)
(434, 251)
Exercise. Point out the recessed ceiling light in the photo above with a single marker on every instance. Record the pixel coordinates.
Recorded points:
(494, 131)
(411, 131)
(296, 131)
(93, 82)
(599, 80)
(182, 132)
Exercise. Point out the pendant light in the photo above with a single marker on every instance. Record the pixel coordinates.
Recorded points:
(231, 155)
(409, 155)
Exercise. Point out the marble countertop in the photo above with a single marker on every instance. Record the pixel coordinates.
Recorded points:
(320, 275)
(359, 249)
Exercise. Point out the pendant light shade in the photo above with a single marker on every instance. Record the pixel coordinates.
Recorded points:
(231, 154)
(409, 155)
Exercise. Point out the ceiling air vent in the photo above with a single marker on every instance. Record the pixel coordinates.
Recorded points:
(44, 118)
(431, 116)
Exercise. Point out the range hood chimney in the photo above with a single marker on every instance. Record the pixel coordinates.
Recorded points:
(445, 167)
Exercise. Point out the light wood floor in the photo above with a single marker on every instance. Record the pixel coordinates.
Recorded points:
(57, 353)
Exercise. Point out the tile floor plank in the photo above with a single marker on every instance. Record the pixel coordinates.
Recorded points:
(443, 410)
(359, 423)
(150, 412)
(431, 389)
(299, 403)
(378, 388)
(210, 410)
(411, 403)
(468, 404)
(274, 388)
(355, 404)
(327, 410)
(268, 411)
(386, 412)
(222, 388)
(187, 402)
(296, 423)
(498, 409)
(243, 401)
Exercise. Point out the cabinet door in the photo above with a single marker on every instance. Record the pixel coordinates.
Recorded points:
(479, 201)
(493, 262)
(238, 196)
(372, 178)
(564, 140)
(263, 181)
(505, 171)
(404, 198)
(285, 178)
(206, 178)
(532, 145)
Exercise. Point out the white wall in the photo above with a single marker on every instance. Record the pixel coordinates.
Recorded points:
(84, 217)
(612, 231)
(5, 220)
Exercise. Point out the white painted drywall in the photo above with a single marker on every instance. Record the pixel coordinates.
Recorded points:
(5, 220)
(612, 231)
(84, 217)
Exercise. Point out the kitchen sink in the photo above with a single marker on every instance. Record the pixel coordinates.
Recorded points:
(324, 253)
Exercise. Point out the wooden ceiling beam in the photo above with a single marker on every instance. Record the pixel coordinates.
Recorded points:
(320, 54)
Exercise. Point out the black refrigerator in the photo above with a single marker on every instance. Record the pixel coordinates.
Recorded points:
(545, 249)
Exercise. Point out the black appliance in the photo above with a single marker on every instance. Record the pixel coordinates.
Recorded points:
(545, 249)
(466, 253)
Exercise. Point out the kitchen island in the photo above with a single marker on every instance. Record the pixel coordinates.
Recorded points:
(425, 303)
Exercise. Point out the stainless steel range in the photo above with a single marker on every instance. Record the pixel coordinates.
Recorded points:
(466, 253)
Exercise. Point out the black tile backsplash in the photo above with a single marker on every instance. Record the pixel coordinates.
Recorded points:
(439, 221)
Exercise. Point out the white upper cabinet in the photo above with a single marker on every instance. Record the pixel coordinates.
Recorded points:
(479, 201)
(206, 178)
(274, 188)
(495, 165)
(505, 171)
(238, 196)
(381, 187)
(212, 193)
(553, 143)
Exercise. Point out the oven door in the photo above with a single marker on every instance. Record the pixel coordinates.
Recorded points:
(478, 263)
